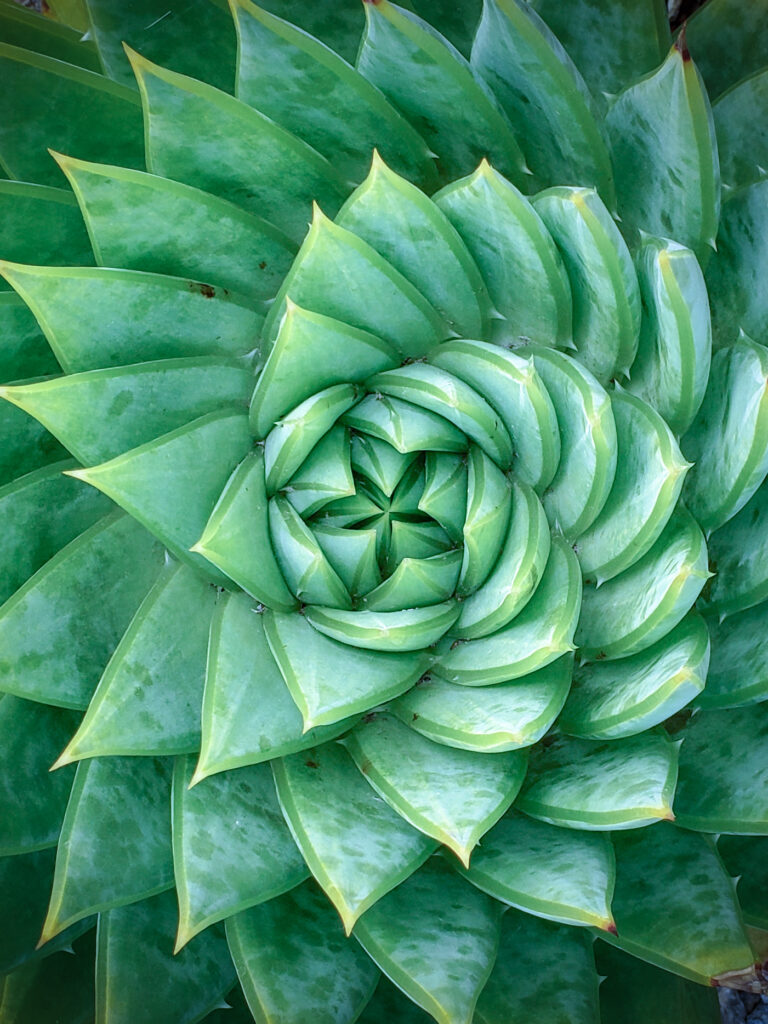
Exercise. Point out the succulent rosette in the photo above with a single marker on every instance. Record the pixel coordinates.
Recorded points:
(389, 596)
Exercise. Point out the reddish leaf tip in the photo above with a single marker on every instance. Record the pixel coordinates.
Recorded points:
(681, 44)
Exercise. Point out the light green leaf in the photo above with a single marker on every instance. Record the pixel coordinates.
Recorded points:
(444, 497)
(673, 358)
(381, 464)
(541, 633)
(718, 792)
(237, 538)
(729, 438)
(417, 582)
(329, 680)
(231, 846)
(237, 729)
(667, 178)
(453, 795)
(416, 238)
(103, 119)
(120, 806)
(650, 470)
(635, 609)
(323, 976)
(541, 91)
(407, 427)
(556, 873)
(587, 466)
(340, 275)
(488, 718)
(521, 266)
(738, 555)
(489, 505)
(100, 414)
(171, 485)
(352, 554)
(738, 669)
(543, 973)
(324, 476)
(54, 647)
(675, 906)
(32, 799)
(409, 630)
(144, 222)
(742, 136)
(303, 85)
(606, 295)
(135, 957)
(621, 698)
(306, 570)
(436, 937)
(312, 352)
(429, 81)
(203, 137)
(324, 797)
(148, 700)
(154, 317)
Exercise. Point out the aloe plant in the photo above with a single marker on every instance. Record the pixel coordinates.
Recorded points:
(383, 512)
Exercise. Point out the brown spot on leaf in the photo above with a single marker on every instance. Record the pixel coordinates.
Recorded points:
(262, 265)
(311, 764)
(206, 290)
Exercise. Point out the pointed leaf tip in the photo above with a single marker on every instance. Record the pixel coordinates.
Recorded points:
(681, 45)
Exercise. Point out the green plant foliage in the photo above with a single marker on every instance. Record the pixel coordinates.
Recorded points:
(383, 492)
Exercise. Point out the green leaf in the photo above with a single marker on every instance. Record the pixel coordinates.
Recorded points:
(120, 806)
(389, 1003)
(237, 540)
(143, 222)
(312, 352)
(517, 393)
(293, 437)
(25, 353)
(610, 44)
(436, 937)
(650, 471)
(726, 43)
(718, 792)
(148, 700)
(41, 224)
(171, 485)
(606, 295)
(591, 785)
(196, 39)
(541, 633)
(453, 795)
(27, 29)
(429, 81)
(487, 718)
(541, 91)
(324, 476)
(519, 262)
(409, 630)
(433, 388)
(417, 582)
(445, 497)
(25, 445)
(154, 317)
(54, 648)
(543, 973)
(556, 873)
(101, 120)
(100, 414)
(306, 570)
(516, 573)
(740, 123)
(135, 957)
(635, 993)
(667, 178)
(370, 295)
(416, 238)
(738, 669)
(745, 859)
(231, 846)
(324, 797)
(635, 609)
(238, 730)
(738, 554)
(56, 987)
(323, 976)
(40, 513)
(729, 438)
(613, 699)
(588, 451)
(32, 799)
(303, 85)
(329, 680)
(489, 504)
(673, 358)
(203, 137)
(384, 466)
(675, 905)
(407, 427)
